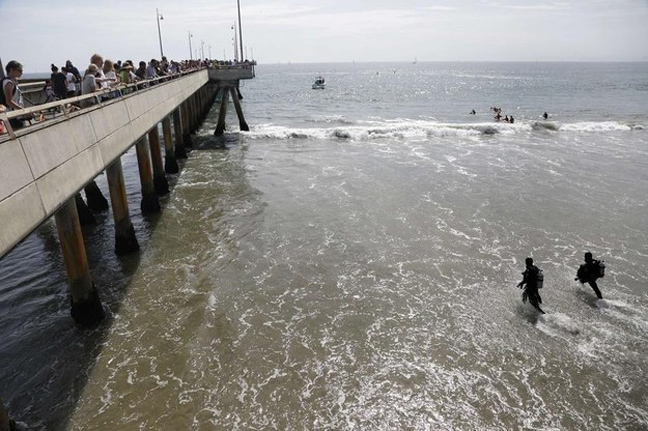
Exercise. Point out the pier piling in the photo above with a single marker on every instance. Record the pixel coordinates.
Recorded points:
(5, 422)
(125, 239)
(220, 128)
(159, 179)
(239, 111)
(180, 151)
(86, 306)
(170, 162)
(150, 203)
(86, 218)
(186, 132)
(96, 199)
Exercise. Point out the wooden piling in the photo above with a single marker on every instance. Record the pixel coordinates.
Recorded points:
(193, 110)
(125, 239)
(204, 107)
(5, 422)
(159, 178)
(86, 306)
(239, 111)
(86, 218)
(220, 128)
(170, 162)
(96, 199)
(150, 203)
(180, 151)
(186, 130)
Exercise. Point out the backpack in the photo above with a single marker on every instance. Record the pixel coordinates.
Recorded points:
(539, 279)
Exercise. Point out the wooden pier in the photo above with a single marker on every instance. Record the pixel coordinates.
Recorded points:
(47, 164)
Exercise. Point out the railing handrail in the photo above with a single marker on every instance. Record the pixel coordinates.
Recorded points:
(136, 87)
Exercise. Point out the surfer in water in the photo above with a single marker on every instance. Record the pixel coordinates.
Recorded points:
(545, 115)
(589, 272)
(531, 283)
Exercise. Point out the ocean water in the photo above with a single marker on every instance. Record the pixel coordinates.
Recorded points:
(351, 264)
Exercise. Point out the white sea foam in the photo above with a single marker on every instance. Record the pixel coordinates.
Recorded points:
(559, 322)
(591, 126)
(404, 129)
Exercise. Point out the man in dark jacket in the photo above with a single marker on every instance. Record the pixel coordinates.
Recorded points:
(589, 272)
(530, 280)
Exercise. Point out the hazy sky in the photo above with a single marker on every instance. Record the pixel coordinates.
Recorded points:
(38, 32)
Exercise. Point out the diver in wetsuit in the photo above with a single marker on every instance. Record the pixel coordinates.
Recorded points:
(589, 272)
(530, 279)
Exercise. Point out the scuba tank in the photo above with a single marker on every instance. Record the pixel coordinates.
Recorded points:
(539, 279)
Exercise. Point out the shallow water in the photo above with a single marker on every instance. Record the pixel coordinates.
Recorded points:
(351, 263)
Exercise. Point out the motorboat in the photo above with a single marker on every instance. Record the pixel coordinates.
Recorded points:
(319, 84)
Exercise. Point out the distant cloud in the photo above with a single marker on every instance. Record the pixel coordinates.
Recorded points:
(542, 7)
(443, 8)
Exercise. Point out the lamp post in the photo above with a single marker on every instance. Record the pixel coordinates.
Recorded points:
(238, 7)
(234, 40)
(190, 49)
(159, 17)
(202, 50)
(209, 48)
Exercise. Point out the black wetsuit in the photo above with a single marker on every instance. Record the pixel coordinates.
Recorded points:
(531, 287)
(588, 273)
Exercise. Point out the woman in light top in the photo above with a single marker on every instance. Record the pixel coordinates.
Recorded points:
(89, 84)
(109, 74)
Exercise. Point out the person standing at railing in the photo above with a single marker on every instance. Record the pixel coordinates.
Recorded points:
(151, 69)
(73, 70)
(141, 70)
(11, 95)
(89, 84)
(59, 83)
(71, 80)
(109, 74)
(100, 77)
(126, 75)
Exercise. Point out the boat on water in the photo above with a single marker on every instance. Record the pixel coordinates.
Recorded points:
(319, 84)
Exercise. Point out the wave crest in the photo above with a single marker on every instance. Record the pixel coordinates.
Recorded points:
(412, 129)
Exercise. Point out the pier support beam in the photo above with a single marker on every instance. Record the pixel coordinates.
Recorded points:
(180, 151)
(186, 132)
(96, 199)
(170, 162)
(159, 179)
(239, 110)
(125, 239)
(193, 119)
(5, 422)
(86, 218)
(86, 306)
(220, 128)
(150, 203)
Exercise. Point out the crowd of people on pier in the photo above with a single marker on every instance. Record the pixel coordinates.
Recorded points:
(100, 75)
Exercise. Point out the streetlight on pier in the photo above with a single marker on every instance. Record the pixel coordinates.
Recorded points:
(209, 48)
(238, 7)
(159, 18)
(234, 41)
(202, 50)
(190, 49)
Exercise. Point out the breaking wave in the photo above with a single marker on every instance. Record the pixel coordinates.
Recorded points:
(410, 129)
